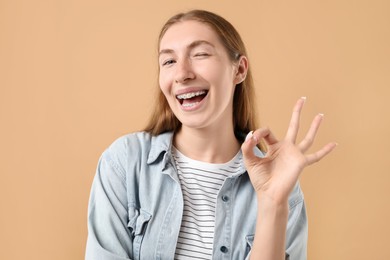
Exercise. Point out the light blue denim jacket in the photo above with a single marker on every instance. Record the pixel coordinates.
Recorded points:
(136, 206)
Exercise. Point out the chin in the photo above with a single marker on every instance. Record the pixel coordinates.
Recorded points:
(193, 124)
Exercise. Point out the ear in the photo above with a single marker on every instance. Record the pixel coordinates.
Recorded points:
(241, 70)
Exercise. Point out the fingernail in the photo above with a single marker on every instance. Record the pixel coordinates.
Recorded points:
(249, 136)
(321, 114)
(304, 98)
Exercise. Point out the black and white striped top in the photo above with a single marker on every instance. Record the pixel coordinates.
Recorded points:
(200, 183)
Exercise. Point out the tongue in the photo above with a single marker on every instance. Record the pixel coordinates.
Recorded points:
(193, 100)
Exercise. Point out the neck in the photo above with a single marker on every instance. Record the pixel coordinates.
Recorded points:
(207, 145)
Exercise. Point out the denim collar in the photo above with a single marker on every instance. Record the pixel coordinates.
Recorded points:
(161, 143)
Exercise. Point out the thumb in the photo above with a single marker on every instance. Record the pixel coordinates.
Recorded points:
(247, 148)
(253, 139)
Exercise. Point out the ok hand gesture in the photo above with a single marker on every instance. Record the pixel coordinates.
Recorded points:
(276, 174)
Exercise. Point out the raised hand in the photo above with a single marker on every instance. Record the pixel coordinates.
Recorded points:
(276, 174)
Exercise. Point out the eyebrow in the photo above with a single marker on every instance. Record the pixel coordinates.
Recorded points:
(190, 46)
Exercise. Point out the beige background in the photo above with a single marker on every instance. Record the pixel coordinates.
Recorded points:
(77, 74)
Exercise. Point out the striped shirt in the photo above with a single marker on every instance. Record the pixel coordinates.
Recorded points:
(200, 183)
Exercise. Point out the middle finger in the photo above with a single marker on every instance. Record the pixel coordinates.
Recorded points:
(293, 128)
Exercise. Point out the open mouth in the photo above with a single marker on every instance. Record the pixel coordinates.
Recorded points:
(191, 99)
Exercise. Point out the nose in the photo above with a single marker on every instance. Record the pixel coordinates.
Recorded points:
(184, 71)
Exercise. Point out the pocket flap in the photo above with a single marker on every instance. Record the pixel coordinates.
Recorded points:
(138, 220)
(249, 240)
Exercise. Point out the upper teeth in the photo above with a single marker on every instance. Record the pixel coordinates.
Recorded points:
(191, 95)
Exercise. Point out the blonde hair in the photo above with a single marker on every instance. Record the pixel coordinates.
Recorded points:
(244, 110)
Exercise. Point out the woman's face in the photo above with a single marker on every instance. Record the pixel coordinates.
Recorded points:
(196, 75)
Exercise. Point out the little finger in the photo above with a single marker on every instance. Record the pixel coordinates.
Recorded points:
(317, 156)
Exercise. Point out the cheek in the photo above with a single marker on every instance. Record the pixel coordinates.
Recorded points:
(218, 71)
(163, 84)
(222, 78)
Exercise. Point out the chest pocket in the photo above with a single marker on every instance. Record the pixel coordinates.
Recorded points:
(138, 222)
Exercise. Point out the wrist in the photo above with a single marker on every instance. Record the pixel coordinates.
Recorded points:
(272, 206)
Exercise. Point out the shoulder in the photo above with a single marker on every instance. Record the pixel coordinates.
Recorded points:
(137, 147)
(129, 146)
(131, 142)
(123, 151)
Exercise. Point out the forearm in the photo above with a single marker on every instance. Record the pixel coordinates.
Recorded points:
(270, 235)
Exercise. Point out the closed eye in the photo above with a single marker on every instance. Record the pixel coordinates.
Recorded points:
(202, 54)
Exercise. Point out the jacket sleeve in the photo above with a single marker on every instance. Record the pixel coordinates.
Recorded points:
(297, 227)
(109, 238)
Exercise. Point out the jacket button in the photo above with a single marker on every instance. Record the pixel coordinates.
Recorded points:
(225, 198)
(224, 249)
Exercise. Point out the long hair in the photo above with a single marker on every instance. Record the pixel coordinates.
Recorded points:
(244, 110)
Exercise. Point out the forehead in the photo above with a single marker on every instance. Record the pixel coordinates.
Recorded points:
(185, 32)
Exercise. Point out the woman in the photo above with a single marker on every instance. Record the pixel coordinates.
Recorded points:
(191, 186)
